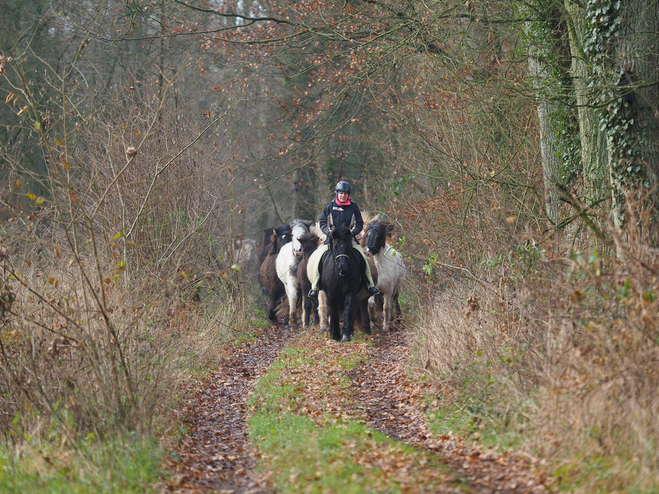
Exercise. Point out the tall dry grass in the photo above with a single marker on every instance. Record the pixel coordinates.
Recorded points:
(566, 337)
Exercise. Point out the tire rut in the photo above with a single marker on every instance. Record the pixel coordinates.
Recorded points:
(392, 405)
(216, 455)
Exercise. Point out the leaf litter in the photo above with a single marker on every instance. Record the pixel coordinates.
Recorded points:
(217, 455)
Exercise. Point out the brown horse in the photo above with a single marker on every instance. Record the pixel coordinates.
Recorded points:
(281, 236)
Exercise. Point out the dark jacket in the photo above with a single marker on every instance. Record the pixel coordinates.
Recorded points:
(334, 215)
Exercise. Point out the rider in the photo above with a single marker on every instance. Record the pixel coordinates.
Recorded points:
(341, 211)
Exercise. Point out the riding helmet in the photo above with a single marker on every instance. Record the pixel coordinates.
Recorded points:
(342, 186)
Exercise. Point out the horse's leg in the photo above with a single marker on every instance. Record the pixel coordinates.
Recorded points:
(349, 317)
(387, 311)
(323, 312)
(307, 307)
(292, 303)
(367, 319)
(314, 308)
(272, 313)
(280, 298)
(335, 324)
(373, 309)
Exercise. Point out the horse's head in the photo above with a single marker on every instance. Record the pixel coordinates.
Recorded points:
(299, 228)
(340, 244)
(309, 242)
(280, 237)
(376, 236)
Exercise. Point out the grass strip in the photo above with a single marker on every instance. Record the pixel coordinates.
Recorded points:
(307, 427)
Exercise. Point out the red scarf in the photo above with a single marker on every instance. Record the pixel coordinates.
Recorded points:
(347, 203)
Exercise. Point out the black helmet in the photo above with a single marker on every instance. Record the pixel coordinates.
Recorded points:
(342, 186)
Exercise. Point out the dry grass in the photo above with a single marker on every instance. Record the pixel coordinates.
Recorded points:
(577, 336)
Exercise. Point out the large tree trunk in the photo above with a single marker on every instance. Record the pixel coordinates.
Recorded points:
(549, 144)
(594, 156)
(635, 156)
(638, 57)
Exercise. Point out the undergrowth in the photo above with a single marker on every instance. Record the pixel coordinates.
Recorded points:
(555, 355)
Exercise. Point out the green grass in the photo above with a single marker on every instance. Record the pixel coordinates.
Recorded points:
(308, 458)
(603, 474)
(488, 426)
(119, 465)
(329, 453)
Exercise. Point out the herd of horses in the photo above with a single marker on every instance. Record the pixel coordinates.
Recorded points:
(289, 256)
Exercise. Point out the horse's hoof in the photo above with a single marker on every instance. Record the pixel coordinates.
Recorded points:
(345, 337)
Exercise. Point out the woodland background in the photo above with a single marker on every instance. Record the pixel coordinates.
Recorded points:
(514, 145)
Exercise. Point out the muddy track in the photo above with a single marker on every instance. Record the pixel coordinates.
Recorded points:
(216, 455)
(391, 404)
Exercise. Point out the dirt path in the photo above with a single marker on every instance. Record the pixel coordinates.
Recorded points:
(391, 404)
(216, 456)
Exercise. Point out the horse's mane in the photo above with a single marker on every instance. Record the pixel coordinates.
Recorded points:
(382, 228)
(366, 216)
(309, 238)
(306, 224)
(341, 232)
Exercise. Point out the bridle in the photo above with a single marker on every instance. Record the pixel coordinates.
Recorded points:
(336, 262)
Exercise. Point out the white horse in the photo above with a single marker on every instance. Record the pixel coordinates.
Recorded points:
(390, 266)
(287, 261)
(323, 313)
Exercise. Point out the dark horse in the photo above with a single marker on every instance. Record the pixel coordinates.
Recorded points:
(281, 236)
(309, 242)
(342, 278)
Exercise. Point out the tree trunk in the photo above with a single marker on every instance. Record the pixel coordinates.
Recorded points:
(636, 155)
(638, 57)
(549, 144)
(594, 156)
